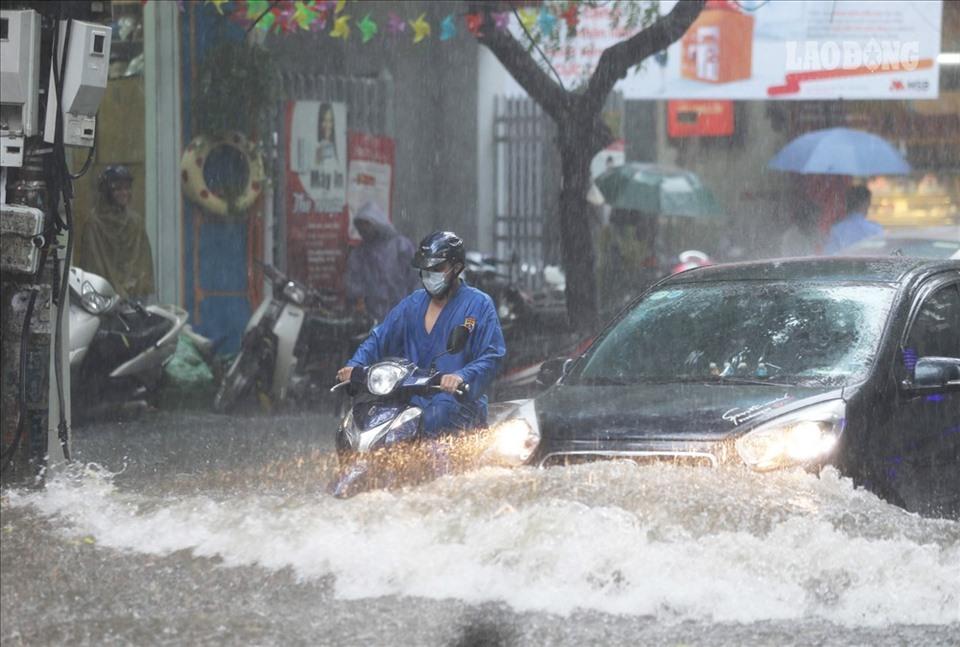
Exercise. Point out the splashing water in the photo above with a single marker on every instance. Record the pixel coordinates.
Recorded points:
(663, 541)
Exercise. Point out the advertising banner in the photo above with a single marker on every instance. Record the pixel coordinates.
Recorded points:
(316, 193)
(330, 174)
(762, 49)
(370, 176)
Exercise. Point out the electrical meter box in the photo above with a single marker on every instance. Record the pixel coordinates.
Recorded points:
(20, 238)
(85, 66)
(19, 82)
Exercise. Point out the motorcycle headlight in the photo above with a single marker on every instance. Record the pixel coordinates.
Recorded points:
(382, 378)
(516, 438)
(92, 301)
(796, 438)
(294, 293)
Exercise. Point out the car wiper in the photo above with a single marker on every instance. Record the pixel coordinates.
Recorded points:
(714, 379)
(735, 379)
(602, 381)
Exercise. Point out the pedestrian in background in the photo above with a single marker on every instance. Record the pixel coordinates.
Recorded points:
(112, 239)
(802, 236)
(379, 273)
(628, 259)
(853, 227)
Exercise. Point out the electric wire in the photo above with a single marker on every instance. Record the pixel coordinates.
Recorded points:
(65, 186)
(6, 455)
(273, 3)
(536, 45)
(89, 161)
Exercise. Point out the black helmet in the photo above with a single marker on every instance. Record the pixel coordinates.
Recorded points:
(438, 247)
(114, 173)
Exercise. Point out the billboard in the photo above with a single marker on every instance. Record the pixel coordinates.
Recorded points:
(316, 192)
(773, 49)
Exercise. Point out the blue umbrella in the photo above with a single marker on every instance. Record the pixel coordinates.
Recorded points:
(840, 151)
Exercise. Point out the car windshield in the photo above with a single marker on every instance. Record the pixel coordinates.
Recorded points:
(772, 332)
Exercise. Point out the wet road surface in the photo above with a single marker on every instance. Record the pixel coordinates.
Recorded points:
(205, 530)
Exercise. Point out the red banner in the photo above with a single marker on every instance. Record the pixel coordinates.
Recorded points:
(370, 178)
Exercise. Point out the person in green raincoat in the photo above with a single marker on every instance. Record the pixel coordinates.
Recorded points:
(627, 258)
(112, 239)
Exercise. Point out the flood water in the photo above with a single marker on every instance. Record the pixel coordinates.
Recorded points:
(198, 529)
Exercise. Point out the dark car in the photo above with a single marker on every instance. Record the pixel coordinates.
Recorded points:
(851, 362)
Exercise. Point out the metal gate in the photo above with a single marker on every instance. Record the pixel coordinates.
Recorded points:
(369, 109)
(527, 189)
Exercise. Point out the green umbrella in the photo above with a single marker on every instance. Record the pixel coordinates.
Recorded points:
(657, 190)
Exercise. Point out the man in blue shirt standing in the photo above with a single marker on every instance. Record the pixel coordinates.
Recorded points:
(417, 329)
(854, 227)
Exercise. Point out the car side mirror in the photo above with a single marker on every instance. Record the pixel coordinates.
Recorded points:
(935, 372)
(552, 370)
(457, 340)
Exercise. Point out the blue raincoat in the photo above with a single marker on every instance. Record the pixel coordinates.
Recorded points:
(852, 229)
(402, 334)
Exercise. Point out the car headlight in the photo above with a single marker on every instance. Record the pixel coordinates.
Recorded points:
(295, 293)
(515, 439)
(383, 377)
(92, 301)
(796, 438)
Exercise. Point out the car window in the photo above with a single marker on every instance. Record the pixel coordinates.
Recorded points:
(794, 332)
(935, 331)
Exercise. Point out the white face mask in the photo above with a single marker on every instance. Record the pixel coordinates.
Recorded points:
(435, 283)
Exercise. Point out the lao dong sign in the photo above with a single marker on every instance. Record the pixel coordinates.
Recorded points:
(813, 49)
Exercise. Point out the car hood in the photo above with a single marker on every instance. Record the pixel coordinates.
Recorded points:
(706, 412)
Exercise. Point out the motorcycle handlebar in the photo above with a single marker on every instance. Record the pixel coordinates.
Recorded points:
(462, 390)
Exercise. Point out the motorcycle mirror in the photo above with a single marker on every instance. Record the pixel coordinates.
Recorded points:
(457, 340)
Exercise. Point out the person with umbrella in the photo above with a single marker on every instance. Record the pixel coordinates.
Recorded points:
(853, 227)
(632, 246)
(627, 260)
(830, 158)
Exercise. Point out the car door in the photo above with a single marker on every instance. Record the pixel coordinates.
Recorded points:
(924, 468)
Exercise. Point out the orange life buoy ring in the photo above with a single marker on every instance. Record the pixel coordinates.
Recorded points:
(195, 186)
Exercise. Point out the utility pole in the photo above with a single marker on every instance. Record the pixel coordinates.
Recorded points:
(54, 60)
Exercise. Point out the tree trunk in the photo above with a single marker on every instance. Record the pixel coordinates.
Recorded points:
(575, 234)
(582, 132)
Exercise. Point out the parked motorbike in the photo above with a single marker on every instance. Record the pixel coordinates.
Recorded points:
(117, 346)
(513, 305)
(291, 349)
(381, 417)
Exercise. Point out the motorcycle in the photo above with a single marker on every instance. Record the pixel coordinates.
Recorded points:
(117, 346)
(379, 442)
(292, 347)
(381, 418)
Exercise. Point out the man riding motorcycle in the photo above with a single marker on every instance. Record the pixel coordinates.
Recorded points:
(417, 328)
